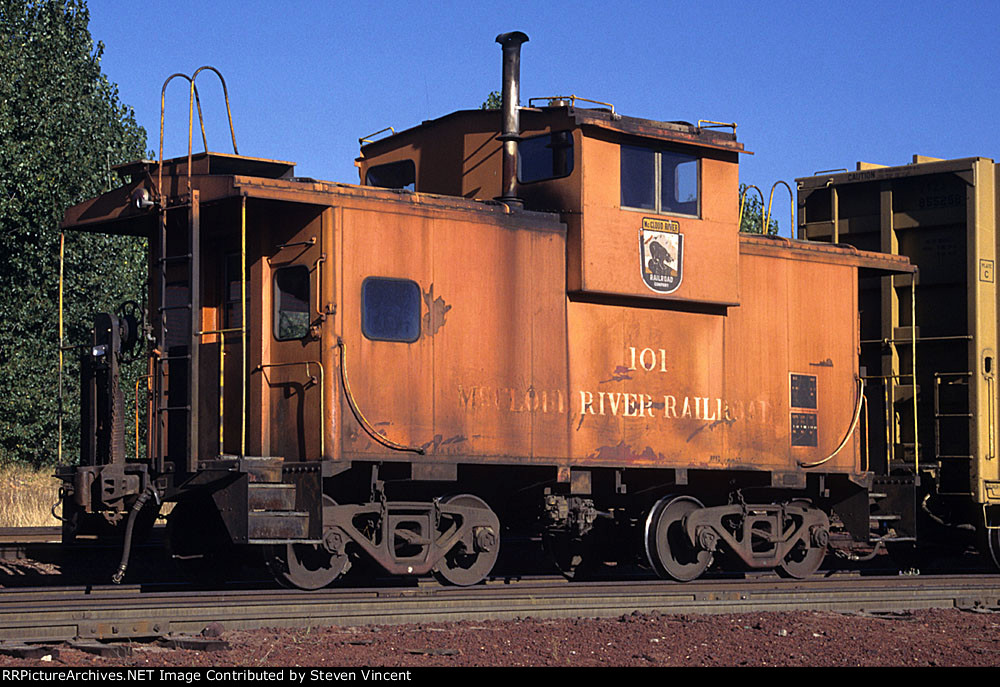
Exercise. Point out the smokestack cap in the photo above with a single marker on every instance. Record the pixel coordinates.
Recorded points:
(512, 38)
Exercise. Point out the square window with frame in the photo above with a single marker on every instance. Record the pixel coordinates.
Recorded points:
(390, 309)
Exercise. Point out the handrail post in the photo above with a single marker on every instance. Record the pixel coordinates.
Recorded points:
(743, 197)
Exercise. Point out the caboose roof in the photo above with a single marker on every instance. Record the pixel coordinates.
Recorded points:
(211, 163)
(219, 177)
(565, 117)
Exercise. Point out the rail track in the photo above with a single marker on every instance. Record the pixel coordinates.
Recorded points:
(127, 612)
(52, 608)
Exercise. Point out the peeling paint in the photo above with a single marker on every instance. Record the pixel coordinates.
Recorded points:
(823, 363)
(623, 453)
(435, 442)
(433, 319)
(720, 421)
(439, 441)
(620, 374)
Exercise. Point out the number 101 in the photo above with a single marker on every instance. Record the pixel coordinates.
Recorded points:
(648, 359)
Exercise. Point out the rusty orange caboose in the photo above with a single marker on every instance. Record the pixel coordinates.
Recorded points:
(541, 320)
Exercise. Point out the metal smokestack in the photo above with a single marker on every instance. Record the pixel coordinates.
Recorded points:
(510, 99)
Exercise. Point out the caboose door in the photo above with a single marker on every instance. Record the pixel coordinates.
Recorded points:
(291, 374)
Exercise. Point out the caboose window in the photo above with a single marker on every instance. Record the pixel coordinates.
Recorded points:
(549, 156)
(678, 183)
(291, 302)
(659, 180)
(390, 309)
(401, 175)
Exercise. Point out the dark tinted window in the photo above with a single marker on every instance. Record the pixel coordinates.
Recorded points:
(678, 183)
(638, 177)
(390, 309)
(291, 302)
(659, 180)
(549, 156)
(402, 174)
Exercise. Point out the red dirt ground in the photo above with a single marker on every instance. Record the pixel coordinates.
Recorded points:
(921, 638)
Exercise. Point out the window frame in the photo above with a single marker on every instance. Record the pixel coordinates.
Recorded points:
(658, 180)
(364, 310)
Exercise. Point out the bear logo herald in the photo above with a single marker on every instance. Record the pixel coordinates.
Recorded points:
(661, 254)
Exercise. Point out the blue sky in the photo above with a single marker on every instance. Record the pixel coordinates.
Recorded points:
(812, 85)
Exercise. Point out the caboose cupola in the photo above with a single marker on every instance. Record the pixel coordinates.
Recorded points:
(643, 200)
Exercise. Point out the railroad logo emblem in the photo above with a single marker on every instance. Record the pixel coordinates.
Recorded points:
(661, 254)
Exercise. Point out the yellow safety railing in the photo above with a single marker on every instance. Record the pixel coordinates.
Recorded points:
(791, 208)
(743, 199)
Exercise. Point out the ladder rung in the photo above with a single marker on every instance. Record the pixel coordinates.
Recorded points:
(939, 415)
(883, 518)
(186, 306)
(174, 357)
(186, 409)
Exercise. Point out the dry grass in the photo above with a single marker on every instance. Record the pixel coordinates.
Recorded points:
(26, 496)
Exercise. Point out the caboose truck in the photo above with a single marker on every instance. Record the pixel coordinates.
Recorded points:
(540, 321)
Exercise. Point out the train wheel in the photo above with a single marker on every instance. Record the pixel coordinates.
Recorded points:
(993, 545)
(199, 544)
(306, 566)
(805, 558)
(467, 564)
(569, 554)
(667, 546)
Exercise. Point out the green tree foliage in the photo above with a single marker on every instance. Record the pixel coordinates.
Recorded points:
(493, 101)
(753, 214)
(61, 127)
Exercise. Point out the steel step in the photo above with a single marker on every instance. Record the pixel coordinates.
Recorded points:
(259, 468)
(264, 496)
(278, 525)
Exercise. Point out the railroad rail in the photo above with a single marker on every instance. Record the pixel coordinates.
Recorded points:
(29, 535)
(129, 612)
